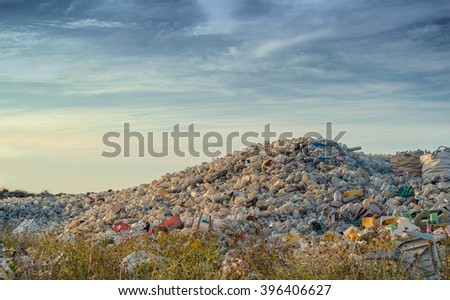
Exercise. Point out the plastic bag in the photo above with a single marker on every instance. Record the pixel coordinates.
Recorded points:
(436, 164)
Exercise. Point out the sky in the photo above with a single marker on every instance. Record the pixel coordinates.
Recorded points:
(72, 70)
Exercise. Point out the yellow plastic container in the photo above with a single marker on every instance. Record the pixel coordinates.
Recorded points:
(388, 220)
(354, 236)
(354, 193)
(369, 222)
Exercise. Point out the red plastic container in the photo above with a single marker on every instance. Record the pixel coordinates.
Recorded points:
(173, 222)
(121, 226)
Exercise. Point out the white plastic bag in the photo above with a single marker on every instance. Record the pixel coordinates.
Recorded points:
(436, 164)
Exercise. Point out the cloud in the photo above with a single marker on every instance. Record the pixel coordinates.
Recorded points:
(92, 23)
(14, 40)
(279, 44)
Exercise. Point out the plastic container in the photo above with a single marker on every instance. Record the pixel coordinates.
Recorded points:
(369, 222)
(173, 222)
(354, 193)
(388, 220)
(121, 226)
(434, 218)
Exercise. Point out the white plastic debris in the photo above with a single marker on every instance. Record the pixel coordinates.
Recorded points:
(404, 225)
(135, 259)
(27, 226)
(5, 270)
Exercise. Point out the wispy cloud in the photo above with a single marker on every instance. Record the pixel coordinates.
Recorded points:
(93, 23)
(279, 44)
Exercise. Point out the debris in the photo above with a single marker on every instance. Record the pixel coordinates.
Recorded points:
(354, 193)
(350, 230)
(369, 222)
(341, 159)
(293, 238)
(432, 216)
(118, 208)
(232, 266)
(75, 224)
(5, 269)
(354, 149)
(135, 259)
(316, 226)
(162, 192)
(405, 191)
(27, 226)
(172, 223)
(403, 226)
(437, 164)
(388, 220)
(121, 226)
(407, 162)
(420, 252)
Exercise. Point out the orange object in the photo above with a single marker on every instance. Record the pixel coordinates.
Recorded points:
(121, 226)
(173, 222)
(353, 193)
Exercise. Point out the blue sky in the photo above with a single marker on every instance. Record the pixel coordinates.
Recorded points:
(72, 70)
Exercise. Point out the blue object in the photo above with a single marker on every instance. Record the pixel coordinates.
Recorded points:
(318, 145)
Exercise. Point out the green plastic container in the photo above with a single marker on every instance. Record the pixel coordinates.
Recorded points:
(434, 218)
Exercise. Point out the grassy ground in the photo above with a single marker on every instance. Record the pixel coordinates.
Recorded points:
(195, 256)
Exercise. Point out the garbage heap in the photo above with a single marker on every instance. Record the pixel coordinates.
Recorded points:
(291, 185)
(301, 187)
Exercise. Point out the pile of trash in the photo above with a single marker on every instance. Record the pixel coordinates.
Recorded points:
(5, 193)
(306, 188)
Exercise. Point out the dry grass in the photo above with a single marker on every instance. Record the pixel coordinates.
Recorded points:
(195, 256)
